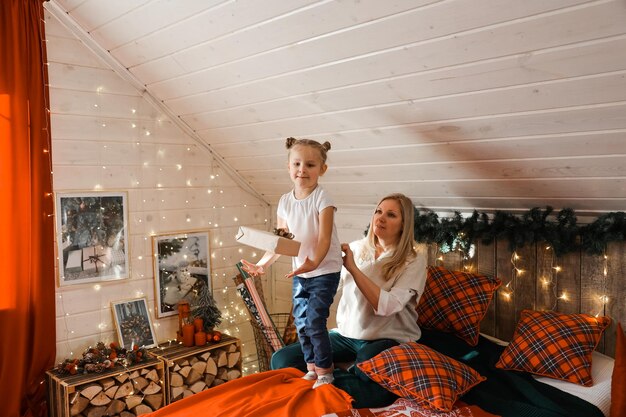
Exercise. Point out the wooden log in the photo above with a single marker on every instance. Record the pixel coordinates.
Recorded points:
(222, 360)
(177, 393)
(198, 386)
(124, 390)
(107, 383)
(192, 377)
(183, 362)
(217, 382)
(95, 411)
(155, 401)
(199, 366)
(176, 380)
(221, 373)
(79, 405)
(126, 414)
(188, 393)
(100, 399)
(211, 367)
(140, 383)
(152, 388)
(193, 360)
(233, 358)
(231, 348)
(153, 375)
(90, 391)
(110, 392)
(134, 374)
(206, 355)
(142, 409)
(115, 407)
(121, 378)
(233, 374)
(208, 379)
(184, 371)
(133, 401)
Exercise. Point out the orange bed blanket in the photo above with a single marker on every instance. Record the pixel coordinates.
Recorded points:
(279, 393)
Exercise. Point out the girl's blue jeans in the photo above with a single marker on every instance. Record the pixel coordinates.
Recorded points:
(312, 298)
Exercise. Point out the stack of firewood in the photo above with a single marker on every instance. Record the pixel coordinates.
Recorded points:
(125, 395)
(192, 374)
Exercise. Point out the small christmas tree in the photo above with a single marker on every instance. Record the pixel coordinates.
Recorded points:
(205, 307)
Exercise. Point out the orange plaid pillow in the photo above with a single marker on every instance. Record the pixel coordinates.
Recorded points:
(456, 302)
(419, 373)
(554, 345)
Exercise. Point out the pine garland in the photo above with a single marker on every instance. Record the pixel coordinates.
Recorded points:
(563, 233)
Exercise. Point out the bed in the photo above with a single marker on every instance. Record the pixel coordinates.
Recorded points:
(546, 370)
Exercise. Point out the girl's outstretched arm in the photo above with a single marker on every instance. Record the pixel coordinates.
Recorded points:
(267, 259)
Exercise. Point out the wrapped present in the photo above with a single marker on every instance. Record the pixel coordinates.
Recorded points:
(116, 256)
(74, 261)
(95, 258)
(268, 241)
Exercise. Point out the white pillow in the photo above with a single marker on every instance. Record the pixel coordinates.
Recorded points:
(600, 393)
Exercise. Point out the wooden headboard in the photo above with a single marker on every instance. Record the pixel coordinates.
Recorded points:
(536, 279)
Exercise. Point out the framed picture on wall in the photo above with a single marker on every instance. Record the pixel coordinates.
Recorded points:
(182, 269)
(132, 320)
(92, 237)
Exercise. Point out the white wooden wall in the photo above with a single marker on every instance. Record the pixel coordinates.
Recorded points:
(106, 137)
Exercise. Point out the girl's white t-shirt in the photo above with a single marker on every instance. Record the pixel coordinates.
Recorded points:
(303, 220)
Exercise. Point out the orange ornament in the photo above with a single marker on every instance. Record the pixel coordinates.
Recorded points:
(217, 336)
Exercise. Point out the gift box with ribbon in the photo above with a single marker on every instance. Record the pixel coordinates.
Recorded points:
(268, 241)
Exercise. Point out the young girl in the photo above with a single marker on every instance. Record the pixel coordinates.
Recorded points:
(308, 213)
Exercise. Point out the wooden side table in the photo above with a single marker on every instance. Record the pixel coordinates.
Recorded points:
(137, 389)
(189, 370)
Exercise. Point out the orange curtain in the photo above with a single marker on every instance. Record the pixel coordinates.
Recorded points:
(27, 280)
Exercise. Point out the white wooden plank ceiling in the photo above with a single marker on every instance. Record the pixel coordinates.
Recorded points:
(460, 104)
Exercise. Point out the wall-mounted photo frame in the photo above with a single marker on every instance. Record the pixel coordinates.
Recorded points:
(182, 266)
(92, 236)
(133, 324)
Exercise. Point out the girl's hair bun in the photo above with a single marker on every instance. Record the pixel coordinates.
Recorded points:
(290, 142)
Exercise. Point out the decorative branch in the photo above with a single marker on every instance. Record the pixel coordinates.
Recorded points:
(562, 233)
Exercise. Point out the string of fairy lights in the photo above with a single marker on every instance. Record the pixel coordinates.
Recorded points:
(151, 179)
(548, 277)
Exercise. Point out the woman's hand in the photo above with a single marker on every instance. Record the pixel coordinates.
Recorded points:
(252, 269)
(370, 290)
(348, 257)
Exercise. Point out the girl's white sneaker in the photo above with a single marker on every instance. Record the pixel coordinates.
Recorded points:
(310, 376)
(323, 380)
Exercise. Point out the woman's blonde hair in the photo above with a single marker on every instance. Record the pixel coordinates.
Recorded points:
(406, 247)
(323, 148)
